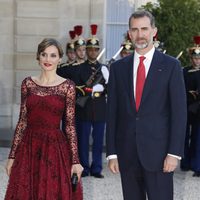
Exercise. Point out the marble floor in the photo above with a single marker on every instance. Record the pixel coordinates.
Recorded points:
(186, 187)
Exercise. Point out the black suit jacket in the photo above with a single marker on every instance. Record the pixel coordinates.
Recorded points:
(159, 125)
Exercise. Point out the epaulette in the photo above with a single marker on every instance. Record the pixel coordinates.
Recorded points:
(60, 66)
(63, 65)
(193, 70)
(75, 64)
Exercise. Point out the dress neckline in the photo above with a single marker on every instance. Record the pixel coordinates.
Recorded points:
(46, 85)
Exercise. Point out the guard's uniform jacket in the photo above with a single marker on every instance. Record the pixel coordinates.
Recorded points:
(95, 108)
(195, 131)
(191, 76)
(70, 71)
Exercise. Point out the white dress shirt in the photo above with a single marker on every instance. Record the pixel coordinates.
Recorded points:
(147, 62)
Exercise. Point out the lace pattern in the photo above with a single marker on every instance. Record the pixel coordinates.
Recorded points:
(65, 92)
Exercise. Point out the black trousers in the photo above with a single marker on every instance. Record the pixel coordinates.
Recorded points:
(138, 184)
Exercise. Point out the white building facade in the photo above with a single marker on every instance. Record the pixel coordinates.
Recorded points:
(24, 23)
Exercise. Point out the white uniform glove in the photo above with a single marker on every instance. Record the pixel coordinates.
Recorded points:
(105, 73)
(97, 88)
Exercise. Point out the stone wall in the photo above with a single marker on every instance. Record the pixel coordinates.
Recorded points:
(6, 62)
(24, 23)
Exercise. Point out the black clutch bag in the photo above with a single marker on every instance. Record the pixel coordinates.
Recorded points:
(74, 181)
(81, 101)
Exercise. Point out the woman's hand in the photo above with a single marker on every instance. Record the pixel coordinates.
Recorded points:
(9, 166)
(78, 169)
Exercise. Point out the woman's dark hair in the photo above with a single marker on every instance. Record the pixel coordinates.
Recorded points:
(49, 42)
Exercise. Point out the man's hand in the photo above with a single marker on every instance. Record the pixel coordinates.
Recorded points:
(97, 88)
(170, 164)
(113, 166)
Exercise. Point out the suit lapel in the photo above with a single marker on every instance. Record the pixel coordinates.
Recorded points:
(131, 83)
(152, 73)
(127, 78)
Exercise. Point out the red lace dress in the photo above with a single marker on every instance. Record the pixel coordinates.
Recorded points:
(43, 153)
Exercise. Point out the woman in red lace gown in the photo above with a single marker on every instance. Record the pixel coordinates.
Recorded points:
(43, 158)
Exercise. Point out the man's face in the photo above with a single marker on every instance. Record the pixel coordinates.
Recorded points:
(196, 61)
(141, 32)
(92, 53)
(71, 55)
(80, 52)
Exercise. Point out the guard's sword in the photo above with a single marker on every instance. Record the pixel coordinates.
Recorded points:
(115, 56)
(179, 55)
(101, 53)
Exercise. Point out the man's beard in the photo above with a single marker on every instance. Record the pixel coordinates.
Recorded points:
(143, 45)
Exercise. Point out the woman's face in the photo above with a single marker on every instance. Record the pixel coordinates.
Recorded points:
(49, 58)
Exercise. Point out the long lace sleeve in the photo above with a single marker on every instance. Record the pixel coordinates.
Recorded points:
(22, 122)
(70, 123)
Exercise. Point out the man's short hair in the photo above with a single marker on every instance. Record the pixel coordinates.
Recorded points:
(140, 14)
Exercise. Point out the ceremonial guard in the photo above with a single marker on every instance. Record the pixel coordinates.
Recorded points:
(71, 70)
(80, 45)
(158, 45)
(94, 77)
(191, 158)
(70, 52)
(127, 46)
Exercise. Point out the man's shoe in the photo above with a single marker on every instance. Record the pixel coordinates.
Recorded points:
(196, 174)
(84, 174)
(184, 169)
(97, 175)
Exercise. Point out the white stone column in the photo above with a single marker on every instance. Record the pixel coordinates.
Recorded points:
(6, 62)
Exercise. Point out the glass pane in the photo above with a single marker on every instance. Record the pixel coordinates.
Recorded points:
(117, 15)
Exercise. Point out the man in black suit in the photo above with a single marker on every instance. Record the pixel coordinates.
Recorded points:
(146, 116)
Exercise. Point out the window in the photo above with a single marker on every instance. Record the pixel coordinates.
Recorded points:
(116, 25)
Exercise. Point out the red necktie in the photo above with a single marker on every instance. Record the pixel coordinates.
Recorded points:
(140, 81)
